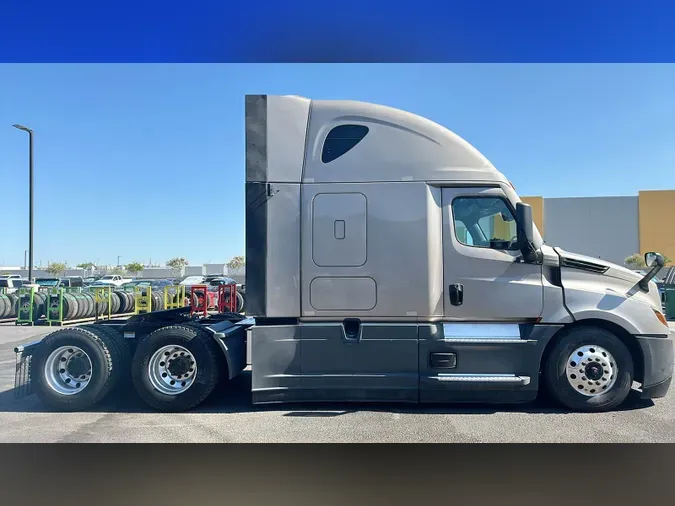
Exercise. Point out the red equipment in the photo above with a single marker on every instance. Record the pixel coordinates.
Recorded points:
(199, 302)
(231, 303)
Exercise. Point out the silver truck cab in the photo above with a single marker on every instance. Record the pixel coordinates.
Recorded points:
(388, 260)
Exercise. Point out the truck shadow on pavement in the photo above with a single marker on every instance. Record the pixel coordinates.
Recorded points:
(235, 397)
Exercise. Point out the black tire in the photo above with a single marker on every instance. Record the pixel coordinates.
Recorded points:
(39, 305)
(207, 356)
(114, 338)
(240, 303)
(75, 299)
(4, 306)
(105, 358)
(122, 298)
(82, 306)
(200, 294)
(115, 303)
(101, 306)
(559, 386)
(91, 305)
(69, 306)
(131, 297)
(154, 302)
(14, 302)
(239, 306)
(10, 301)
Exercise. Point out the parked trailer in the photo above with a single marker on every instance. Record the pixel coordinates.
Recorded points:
(387, 260)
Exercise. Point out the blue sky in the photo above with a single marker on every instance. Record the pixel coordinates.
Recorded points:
(121, 149)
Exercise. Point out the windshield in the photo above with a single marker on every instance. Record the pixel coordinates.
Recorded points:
(47, 282)
(4, 283)
(131, 284)
(223, 281)
(107, 277)
(100, 283)
(192, 280)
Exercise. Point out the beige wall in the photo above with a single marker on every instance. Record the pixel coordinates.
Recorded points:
(537, 204)
(656, 210)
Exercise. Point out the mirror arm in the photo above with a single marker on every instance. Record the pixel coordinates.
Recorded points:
(644, 282)
(530, 253)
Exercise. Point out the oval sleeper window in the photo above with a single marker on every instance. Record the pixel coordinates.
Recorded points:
(340, 140)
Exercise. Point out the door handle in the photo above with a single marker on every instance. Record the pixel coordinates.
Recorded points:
(456, 293)
(442, 360)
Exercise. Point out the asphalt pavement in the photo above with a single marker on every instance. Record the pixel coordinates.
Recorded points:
(230, 417)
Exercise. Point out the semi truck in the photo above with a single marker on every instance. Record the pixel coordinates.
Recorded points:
(387, 261)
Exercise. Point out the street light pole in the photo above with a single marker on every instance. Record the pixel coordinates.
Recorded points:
(30, 199)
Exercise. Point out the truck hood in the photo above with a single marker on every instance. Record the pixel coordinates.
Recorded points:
(597, 266)
(594, 273)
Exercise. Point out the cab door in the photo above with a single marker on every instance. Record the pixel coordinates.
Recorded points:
(483, 349)
(484, 277)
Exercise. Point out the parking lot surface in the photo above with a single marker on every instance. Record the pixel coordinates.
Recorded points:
(230, 417)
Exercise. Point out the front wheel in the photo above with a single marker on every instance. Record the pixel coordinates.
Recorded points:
(589, 369)
(176, 368)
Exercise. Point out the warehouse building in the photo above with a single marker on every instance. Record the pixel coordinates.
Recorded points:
(610, 228)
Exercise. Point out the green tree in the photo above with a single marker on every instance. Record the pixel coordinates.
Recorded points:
(118, 271)
(177, 264)
(56, 268)
(635, 261)
(134, 268)
(236, 263)
(86, 265)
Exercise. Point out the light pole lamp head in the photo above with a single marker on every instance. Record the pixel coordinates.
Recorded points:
(25, 129)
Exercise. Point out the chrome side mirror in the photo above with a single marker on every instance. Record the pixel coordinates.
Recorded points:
(652, 258)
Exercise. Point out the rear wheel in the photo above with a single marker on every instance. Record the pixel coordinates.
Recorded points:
(74, 368)
(176, 368)
(589, 369)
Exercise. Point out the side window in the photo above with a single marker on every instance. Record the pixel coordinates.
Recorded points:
(485, 222)
(462, 233)
(340, 140)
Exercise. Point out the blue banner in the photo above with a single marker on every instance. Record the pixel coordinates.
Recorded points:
(344, 31)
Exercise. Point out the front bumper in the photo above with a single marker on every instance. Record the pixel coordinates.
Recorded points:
(657, 353)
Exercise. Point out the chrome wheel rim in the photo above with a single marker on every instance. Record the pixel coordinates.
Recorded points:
(591, 370)
(68, 370)
(172, 369)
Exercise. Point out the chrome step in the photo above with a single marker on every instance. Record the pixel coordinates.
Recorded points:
(485, 340)
(484, 378)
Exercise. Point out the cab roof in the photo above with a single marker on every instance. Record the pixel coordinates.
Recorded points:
(295, 139)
